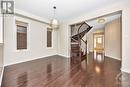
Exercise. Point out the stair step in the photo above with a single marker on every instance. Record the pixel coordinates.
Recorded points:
(75, 51)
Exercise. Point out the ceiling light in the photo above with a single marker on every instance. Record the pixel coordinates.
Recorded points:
(101, 20)
(54, 22)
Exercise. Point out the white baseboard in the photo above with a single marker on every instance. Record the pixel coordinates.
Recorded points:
(35, 59)
(113, 57)
(66, 56)
(28, 60)
(125, 70)
(1, 76)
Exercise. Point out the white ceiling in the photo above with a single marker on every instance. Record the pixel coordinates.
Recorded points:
(108, 18)
(65, 8)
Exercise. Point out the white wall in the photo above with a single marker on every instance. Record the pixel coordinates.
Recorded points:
(1, 55)
(113, 39)
(125, 7)
(1, 48)
(1, 40)
(1, 29)
(37, 38)
(64, 39)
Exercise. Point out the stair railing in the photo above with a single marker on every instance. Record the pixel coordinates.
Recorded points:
(80, 38)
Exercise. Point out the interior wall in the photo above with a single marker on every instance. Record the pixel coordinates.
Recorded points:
(1, 41)
(113, 39)
(64, 39)
(37, 41)
(90, 38)
(1, 28)
(1, 55)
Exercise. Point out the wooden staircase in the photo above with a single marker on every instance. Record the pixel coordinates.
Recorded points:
(77, 53)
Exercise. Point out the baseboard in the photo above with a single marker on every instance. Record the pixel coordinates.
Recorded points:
(66, 56)
(36, 59)
(28, 60)
(113, 57)
(125, 70)
(1, 76)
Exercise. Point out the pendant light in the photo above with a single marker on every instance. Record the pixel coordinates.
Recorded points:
(54, 22)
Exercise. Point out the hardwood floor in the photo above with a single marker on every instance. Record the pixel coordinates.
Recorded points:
(57, 71)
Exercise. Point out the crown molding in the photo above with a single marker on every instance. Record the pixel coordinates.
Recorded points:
(31, 16)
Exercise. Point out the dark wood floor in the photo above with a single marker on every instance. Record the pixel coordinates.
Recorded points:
(57, 71)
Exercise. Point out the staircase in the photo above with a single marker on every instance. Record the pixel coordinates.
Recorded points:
(79, 42)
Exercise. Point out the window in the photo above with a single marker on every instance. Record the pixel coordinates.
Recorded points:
(49, 37)
(99, 40)
(21, 35)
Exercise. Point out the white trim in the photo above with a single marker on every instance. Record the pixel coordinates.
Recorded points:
(49, 47)
(52, 39)
(125, 70)
(30, 59)
(113, 57)
(1, 76)
(64, 55)
(22, 13)
(1, 29)
(28, 34)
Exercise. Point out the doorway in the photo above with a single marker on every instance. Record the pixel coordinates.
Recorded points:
(98, 41)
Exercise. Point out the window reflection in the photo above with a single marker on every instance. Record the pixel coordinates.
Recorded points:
(98, 61)
(97, 69)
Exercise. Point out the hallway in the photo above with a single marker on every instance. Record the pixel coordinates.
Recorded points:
(57, 71)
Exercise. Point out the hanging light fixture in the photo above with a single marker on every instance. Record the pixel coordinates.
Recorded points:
(54, 22)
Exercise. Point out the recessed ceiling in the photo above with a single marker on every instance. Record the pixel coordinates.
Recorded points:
(66, 9)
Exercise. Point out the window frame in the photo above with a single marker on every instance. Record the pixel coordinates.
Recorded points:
(49, 29)
(28, 34)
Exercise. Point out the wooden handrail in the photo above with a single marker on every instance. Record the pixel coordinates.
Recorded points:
(79, 37)
(74, 39)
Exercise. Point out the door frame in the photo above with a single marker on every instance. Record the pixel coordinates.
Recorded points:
(100, 33)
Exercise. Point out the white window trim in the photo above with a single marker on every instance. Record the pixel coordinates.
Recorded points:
(28, 34)
(52, 39)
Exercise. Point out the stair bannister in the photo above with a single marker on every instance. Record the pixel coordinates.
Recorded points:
(78, 37)
(81, 39)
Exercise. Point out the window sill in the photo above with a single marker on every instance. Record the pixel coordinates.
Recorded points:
(22, 50)
(49, 47)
